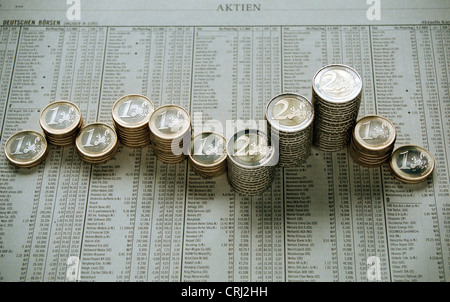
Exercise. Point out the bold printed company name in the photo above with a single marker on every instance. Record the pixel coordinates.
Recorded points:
(241, 7)
(31, 22)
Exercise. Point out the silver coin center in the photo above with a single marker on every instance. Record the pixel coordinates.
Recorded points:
(412, 162)
(251, 147)
(337, 83)
(97, 140)
(170, 121)
(208, 149)
(61, 116)
(290, 112)
(134, 110)
(25, 147)
(374, 132)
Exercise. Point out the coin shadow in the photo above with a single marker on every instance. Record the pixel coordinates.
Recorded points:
(413, 187)
(25, 171)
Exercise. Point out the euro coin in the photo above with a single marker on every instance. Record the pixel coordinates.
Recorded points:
(60, 122)
(131, 115)
(26, 149)
(96, 143)
(411, 164)
(170, 133)
(290, 125)
(251, 162)
(373, 140)
(208, 154)
(336, 97)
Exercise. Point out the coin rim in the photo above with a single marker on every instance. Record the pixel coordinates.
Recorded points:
(61, 131)
(104, 153)
(169, 136)
(371, 147)
(224, 154)
(268, 158)
(289, 129)
(119, 121)
(32, 163)
(411, 179)
(330, 99)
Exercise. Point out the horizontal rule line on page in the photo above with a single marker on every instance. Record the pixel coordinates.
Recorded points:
(230, 26)
(209, 10)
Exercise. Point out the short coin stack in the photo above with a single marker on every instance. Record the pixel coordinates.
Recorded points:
(336, 98)
(170, 133)
(251, 162)
(372, 141)
(61, 121)
(26, 149)
(97, 143)
(411, 164)
(290, 124)
(208, 156)
(131, 114)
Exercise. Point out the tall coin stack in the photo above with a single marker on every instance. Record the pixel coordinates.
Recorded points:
(372, 141)
(131, 114)
(97, 143)
(170, 129)
(61, 121)
(251, 162)
(26, 149)
(336, 98)
(208, 156)
(290, 123)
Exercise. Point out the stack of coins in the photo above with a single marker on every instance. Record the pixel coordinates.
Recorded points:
(131, 114)
(251, 162)
(372, 141)
(411, 164)
(170, 133)
(97, 143)
(208, 156)
(61, 121)
(290, 123)
(26, 149)
(336, 98)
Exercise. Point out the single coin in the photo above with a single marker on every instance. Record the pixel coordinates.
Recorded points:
(337, 83)
(96, 140)
(374, 132)
(289, 112)
(26, 148)
(169, 122)
(251, 162)
(412, 163)
(208, 149)
(132, 111)
(60, 118)
(250, 148)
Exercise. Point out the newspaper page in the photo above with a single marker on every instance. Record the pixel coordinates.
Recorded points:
(136, 218)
